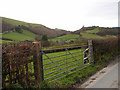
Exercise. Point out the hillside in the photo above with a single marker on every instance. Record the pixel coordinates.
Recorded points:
(101, 31)
(32, 31)
(25, 35)
(86, 33)
(38, 29)
(65, 37)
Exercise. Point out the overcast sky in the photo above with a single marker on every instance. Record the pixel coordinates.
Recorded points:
(64, 14)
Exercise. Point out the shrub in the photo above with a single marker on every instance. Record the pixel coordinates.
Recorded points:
(41, 85)
(44, 38)
(104, 49)
(38, 38)
(45, 43)
(18, 29)
(16, 85)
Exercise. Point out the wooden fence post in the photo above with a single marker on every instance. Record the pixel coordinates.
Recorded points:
(38, 63)
(90, 51)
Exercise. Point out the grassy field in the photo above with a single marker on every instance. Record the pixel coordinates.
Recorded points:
(96, 30)
(65, 37)
(85, 35)
(88, 36)
(92, 34)
(56, 60)
(74, 78)
(5, 41)
(111, 36)
(63, 46)
(25, 35)
(61, 62)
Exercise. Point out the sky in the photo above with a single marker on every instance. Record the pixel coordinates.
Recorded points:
(63, 14)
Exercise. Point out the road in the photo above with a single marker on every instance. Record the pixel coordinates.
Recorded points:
(106, 78)
(109, 80)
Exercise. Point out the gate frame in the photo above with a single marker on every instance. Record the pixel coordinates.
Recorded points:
(39, 71)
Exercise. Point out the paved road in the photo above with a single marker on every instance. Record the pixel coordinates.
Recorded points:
(108, 80)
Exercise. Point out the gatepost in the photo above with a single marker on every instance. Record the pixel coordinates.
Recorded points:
(90, 51)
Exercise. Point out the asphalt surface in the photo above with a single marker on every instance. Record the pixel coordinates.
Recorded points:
(108, 77)
(109, 80)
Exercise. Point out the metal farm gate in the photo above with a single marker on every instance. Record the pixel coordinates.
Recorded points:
(58, 63)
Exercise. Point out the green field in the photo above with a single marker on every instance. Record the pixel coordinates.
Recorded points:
(94, 31)
(65, 45)
(6, 41)
(65, 37)
(85, 35)
(25, 35)
(111, 36)
(88, 36)
(61, 62)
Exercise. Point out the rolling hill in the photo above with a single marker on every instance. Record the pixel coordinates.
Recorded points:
(87, 33)
(38, 29)
(30, 31)
(102, 31)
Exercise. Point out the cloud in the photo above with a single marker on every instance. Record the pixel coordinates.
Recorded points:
(64, 14)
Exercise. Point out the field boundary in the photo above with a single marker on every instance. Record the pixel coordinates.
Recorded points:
(28, 61)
